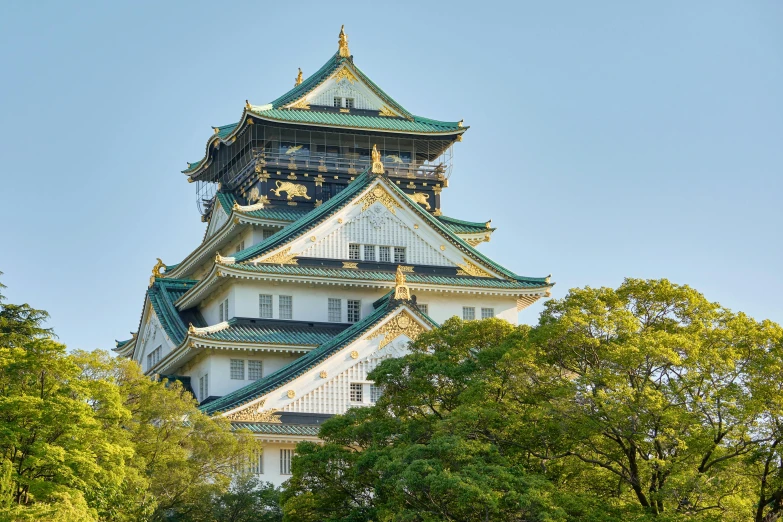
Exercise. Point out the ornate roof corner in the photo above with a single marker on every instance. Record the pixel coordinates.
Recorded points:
(488, 224)
(377, 165)
(459, 123)
(298, 80)
(342, 43)
(401, 290)
(156, 271)
(192, 330)
(247, 108)
(220, 260)
(547, 278)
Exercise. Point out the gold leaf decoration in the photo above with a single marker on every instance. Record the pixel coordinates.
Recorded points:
(255, 414)
(401, 324)
(301, 104)
(284, 257)
(378, 194)
(345, 73)
(385, 111)
(470, 269)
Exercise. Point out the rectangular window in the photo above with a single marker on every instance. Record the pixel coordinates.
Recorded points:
(153, 357)
(369, 252)
(238, 369)
(354, 311)
(425, 308)
(203, 387)
(486, 313)
(326, 192)
(220, 312)
(257, 462)
(336, 188)
(353, 251)
(468, 313)
(286, 306)
(349, 103)
(223, 311)
(285, 461)
(264, 306)
(255, 370)
(266, 234)
(335, 310)
(399, 255)
(356, 392)
(240, 246)
(384, 254)
(375, 393)
(338, 102)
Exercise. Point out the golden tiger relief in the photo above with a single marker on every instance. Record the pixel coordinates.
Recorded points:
(422, 198)
(293, 189)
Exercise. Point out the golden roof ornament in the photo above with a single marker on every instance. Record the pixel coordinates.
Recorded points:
(156, 271)
(298, 78)
(247, 104)
(401, 290)
(343, 43)
(377, 166)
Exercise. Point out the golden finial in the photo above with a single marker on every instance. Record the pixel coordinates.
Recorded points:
(298, 78)
(247, 105)
(488, 224)
(343, 42)
(216, 129)
(377, 166)
(401, 290)
(156, 271)
(459, 123)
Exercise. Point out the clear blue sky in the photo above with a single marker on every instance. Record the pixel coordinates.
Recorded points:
(608, 139)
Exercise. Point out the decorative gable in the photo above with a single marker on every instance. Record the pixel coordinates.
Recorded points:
(344, 84)
(216, 221)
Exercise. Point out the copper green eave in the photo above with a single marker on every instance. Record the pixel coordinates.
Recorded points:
(275, 112)
(319, 214)
(306, 362)
(162, 295)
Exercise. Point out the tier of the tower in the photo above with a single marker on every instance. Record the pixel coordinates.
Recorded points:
(305, 167)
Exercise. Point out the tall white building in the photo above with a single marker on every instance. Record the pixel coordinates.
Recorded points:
(325, 252)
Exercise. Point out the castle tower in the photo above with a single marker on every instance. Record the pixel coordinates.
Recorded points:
(325, 252)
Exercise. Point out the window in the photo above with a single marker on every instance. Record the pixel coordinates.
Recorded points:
(238, 369)
(375, 393)
(384, 254)
(285, 461)
(353, 251)
(354, 311)
(286, 306)
(486, 313)
(369, 252)
(336, 188)
(223, 311)
(203, 387)
(240, 246)
(265, 306)
(338, 102)
(356, 392)
(254, 370)
(399, 255)
(266, 234)
(326, 192)
(257, 462)
(335, 310)
(468, 313)
(153, 357)
(425, 308)
(349, 103)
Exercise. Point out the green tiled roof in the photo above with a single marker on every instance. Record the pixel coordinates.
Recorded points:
(358, 121)
(245, 330)
(162, 295)
(299, 366)
(287, 213)
(120, 344)
(311, 430)
(372, 275)
(459, 226)
(307, 221)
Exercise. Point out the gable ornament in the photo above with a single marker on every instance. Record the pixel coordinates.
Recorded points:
(156, 271)
(377, 165)
(401, 324)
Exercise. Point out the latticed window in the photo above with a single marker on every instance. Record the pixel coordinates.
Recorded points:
(238, 369)
(203, 387)
(354, 311)
(338, 102)
(286, 305)
(356, 392)
(425, 308)
(153, 357)
(223, 311)
(335, 310)
(353, 251)
(265, 306)
(255, 370)
(468, 313)
(486, 313)
(399, 255)
(257, 462)
(285, 461)
(240, 246)
(349, 103)
(384, 254)
(369, 252)
(375, 393)
(266, 233)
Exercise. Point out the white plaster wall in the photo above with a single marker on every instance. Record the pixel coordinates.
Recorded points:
(271, 462)
(218, 366)
(152, 336)
(442, 305)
